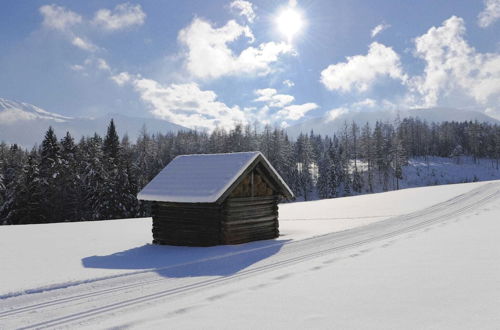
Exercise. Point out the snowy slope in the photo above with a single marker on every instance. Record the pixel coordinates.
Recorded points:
(424, 257)
(329, 125)
(26, 124)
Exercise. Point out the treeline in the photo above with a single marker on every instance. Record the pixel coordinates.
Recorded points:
(98, 178)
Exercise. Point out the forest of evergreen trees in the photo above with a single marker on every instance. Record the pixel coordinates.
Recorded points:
(98, 178)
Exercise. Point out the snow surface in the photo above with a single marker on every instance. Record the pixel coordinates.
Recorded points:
(416, 258)
(197, 178)
(63, 253)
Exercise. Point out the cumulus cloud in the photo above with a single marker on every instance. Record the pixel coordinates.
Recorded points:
(122, 78)
(244, 8)
(288, 83)
(272, 98)
(297, 111)
(379, 28)
(453, 68)
(83, 44)
(364, 104)
(335, 113)
(59, 18)
(361, 71)
(184, 104)
(64, 20)
(283, 102)
(490, 14)
(122, 16)
(208, 54)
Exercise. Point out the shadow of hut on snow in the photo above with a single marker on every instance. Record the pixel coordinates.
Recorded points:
(178, 261)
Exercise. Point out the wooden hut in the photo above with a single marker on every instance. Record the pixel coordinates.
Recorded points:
(212, 199)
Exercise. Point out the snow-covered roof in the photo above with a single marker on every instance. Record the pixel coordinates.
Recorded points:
(203, 178)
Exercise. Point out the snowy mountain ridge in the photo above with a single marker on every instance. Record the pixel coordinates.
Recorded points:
(26, 124)
(12, 111)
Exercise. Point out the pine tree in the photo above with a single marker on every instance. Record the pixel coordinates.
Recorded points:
(304, 160)
(93, 176)
(50, 170)
(69, 179)
(12, 182)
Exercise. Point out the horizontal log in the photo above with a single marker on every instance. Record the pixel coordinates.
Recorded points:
(248, 204)
(254, 228)
(250, 226)
(249, 215)
(250, 210)
(232, 222)
(192, 219)
(250, 238)
(251, 218)
(251, 199)
(194, 229)
(186, 235)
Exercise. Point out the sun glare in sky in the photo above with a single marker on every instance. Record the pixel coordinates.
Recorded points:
(289, 22)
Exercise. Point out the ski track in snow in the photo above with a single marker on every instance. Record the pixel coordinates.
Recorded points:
(87, 304)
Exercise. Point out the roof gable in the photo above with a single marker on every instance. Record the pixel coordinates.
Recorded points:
(204, 178)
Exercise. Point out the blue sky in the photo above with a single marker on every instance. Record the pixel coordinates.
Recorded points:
(213, 63)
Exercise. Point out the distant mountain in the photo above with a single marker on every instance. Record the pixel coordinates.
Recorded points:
(328, 126)
(26, 124)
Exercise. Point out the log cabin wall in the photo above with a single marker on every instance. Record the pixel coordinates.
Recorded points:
(190, 224)
(249, 219)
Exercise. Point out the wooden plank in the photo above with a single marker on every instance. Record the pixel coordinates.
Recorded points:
(250, 220)
(165, 216)
(249, 199)
(250, 228)
(246, 217)
(238, 239)
(250, 210)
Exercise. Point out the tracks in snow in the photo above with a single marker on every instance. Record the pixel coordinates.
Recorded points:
(90, 301)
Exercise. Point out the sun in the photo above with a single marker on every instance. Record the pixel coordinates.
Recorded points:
(289, 22)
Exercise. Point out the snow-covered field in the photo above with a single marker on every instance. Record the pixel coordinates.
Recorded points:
(416, 258)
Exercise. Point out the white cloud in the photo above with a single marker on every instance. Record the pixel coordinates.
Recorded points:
(288, 83)
(91, 64)
(59, 18)
(122, 78)
(122, 16)
(77, 67)
(209, 56)
(379, 28)
(184, 104)
(64, 20)
(244, 8)
(361, 71)
(334, 113)
(103, 65)
(272, 98)
(453, 68)
(366, 103)
(288, 111)
(297, 111)
(490, 14)
(83, 44)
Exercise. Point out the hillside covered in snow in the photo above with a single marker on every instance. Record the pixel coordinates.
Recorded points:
(414, 258)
